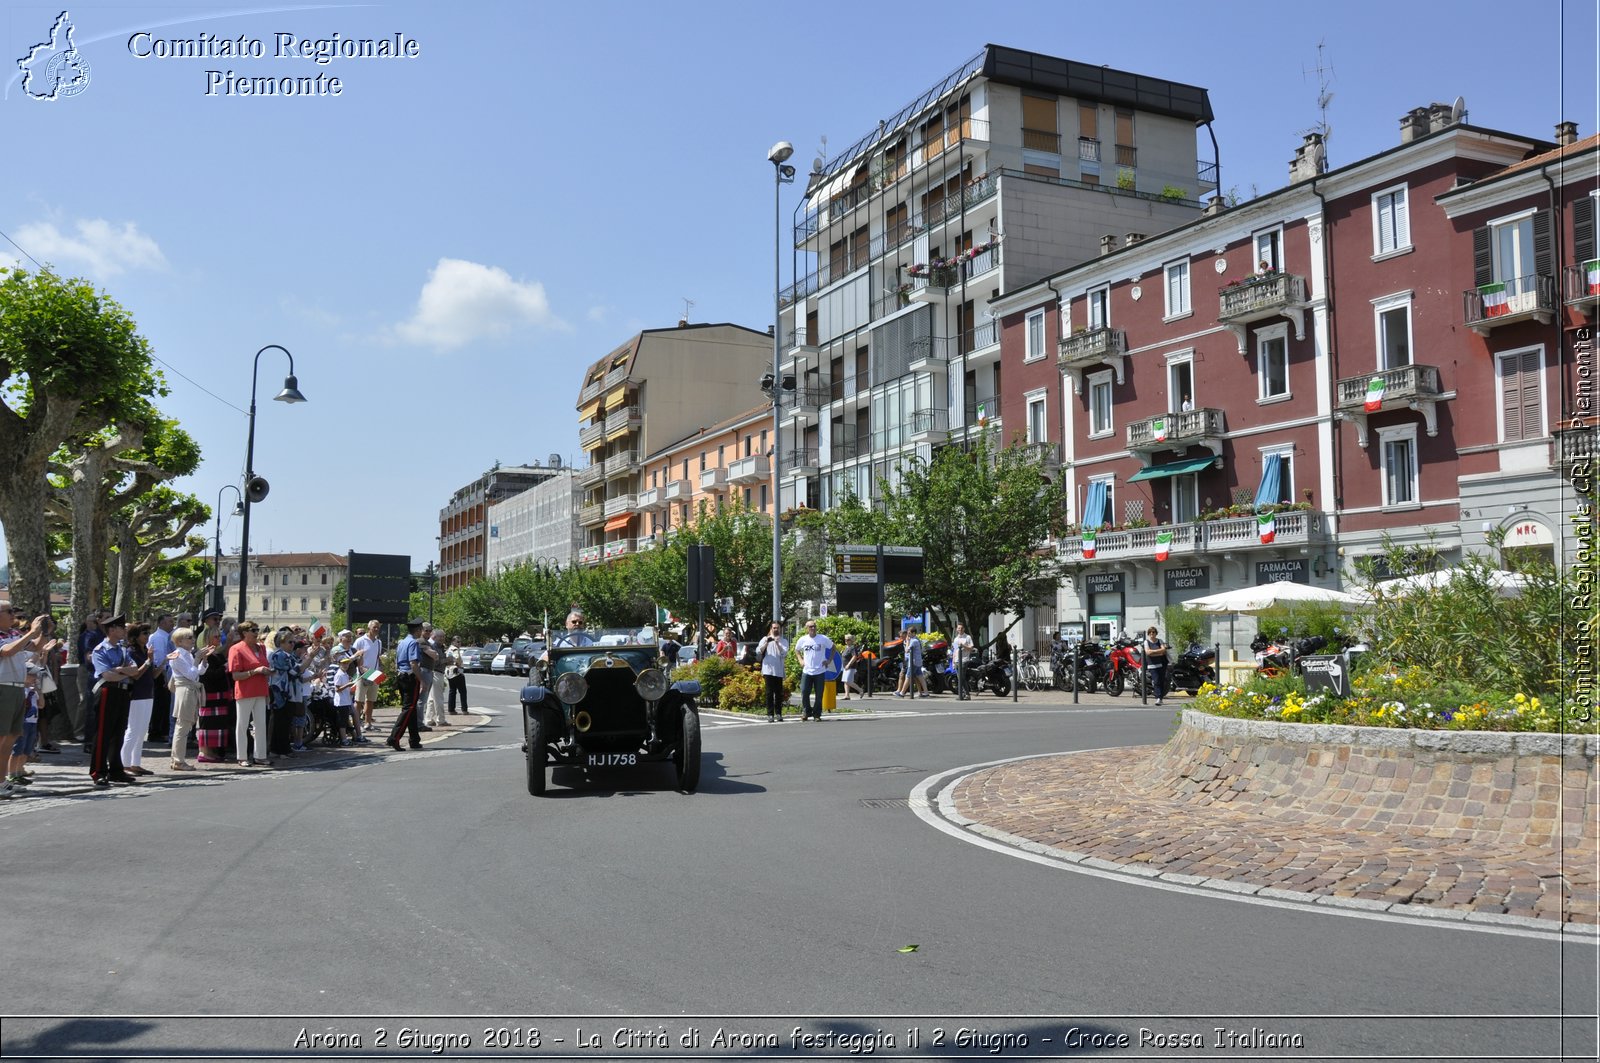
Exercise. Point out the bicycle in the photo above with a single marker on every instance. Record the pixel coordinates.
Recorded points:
(1028, 673)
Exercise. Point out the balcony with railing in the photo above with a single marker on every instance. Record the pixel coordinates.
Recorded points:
(1127, 155)
(617, 548)
(1088, 150)
(617, 505)
(800, 461)
(1573, 453)
(622, 463)
(1087, 349)
(929, 353)
(591, 513)
(650, 500)
(845, 444)
(801, 288)
(1508, 301)
(1580, 285)
(590, 474)
(984, 335)
(1298, 527)
(592, 435)
(984, 408)
(590, 555)
(714, 481)
(591, 390)
(615, 377)
(804, 401)
(623, 420)
(928, 426)
(677, 491)
(1413, 387)
(1048, 455)
(1177, 431)
(1260, 298)
(750, 470)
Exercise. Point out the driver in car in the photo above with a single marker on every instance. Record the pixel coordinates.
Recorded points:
(574, 635)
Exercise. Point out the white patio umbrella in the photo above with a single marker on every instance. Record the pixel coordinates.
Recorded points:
(1505, 584)
(1269, 596)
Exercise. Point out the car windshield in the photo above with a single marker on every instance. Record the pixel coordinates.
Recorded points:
(490, 648)
(611, 636)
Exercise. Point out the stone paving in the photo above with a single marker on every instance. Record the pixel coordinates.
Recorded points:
(1125, 807)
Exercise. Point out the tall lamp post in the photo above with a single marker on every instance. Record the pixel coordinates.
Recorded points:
(429, 574)
(782, 174)
(217, 596)
(255, 489)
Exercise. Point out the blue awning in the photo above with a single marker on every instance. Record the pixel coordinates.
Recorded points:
(1173, 468)
(1271, 478)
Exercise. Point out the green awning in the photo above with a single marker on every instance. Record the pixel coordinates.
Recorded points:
(1174, 468)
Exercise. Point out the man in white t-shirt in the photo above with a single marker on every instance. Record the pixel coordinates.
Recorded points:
(772, 653)
(370, 646)
(815, 651)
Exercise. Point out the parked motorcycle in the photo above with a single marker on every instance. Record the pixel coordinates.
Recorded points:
(1275, 658)
(1061, 665)
(1093, 668)
(980, 673)
(1124, 664)
(1192, 669)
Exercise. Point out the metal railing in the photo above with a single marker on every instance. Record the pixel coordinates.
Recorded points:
(1581, 283)
(799, 458)
(990, 404)
(799, 289)
(986, 334)
(929, 421)
(1041, 140)
(1127, 155)
(1404, 382)
(1512, 299)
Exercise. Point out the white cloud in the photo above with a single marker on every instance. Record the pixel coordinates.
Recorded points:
(598, 314)
(466, 301)
(106, 249)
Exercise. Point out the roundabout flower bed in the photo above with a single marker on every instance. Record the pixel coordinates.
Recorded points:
(1410, 698)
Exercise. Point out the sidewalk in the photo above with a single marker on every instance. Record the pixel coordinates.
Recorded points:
(67, 773)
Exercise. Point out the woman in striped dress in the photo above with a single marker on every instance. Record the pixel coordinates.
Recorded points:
(214, 731)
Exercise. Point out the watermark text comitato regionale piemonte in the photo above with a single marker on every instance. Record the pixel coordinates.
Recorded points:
(320, 51)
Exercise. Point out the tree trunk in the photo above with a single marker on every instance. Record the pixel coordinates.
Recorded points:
(125, 561)
(85, 493)
(22, 499)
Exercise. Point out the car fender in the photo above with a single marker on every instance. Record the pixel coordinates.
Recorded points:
(533, 694)
(690, 688)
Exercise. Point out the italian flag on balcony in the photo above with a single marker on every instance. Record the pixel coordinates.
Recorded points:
(1267, 527)
(1088, 545)
(1591, 272)
(1374, 401)
(1159, 427)
(1494, 299)
(1163, 545)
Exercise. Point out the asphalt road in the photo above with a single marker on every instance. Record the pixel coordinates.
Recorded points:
(431, 884)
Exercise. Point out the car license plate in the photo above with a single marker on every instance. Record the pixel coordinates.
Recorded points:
(613, 760)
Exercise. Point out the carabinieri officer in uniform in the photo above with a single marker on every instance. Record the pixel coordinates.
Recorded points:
(407, 663)
(114, 672)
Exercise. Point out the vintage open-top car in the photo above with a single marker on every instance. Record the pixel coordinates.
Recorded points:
(607, 704)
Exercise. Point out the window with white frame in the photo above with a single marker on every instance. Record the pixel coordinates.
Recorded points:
(1177, 288)
(1108, 515)
(1180, 382)
(1035, 335)
(1285, 456)
(1185, 498)
(1272, 363)
(1391, 221)
(1520, 378)
(1037, 426)
(1269, 249)
(1511, 247)
(1392, 318)
(1100, 404)
(1100, 307)
(1399, 446)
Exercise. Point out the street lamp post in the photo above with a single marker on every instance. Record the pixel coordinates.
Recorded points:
(429, 574)
(217, 598)
(253, 488)
(782, 174)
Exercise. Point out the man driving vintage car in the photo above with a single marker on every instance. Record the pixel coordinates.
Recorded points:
(574, 635)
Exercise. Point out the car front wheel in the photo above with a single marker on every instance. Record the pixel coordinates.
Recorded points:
(536, 755)
(687, 760)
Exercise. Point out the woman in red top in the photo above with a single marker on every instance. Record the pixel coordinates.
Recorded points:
(247, 662)
(726, 647)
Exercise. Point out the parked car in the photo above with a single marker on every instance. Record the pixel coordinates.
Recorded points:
(523, 653)
(501, 665)
(469, 659)
(609, 706)
(486, 656)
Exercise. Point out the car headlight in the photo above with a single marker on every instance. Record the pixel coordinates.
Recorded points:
(571, 688)
(651, 684)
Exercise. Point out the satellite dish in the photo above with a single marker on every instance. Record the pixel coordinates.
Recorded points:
(1458, 110)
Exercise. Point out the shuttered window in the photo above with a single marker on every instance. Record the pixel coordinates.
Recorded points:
(1521, 396)
(1583, 232)
(1391, 218)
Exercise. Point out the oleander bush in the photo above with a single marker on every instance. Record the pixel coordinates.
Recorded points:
(711, 673)
(746, 691)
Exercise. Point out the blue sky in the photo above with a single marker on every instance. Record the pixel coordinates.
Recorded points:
(446, 244)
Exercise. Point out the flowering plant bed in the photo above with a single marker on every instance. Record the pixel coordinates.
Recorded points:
(1410, 698)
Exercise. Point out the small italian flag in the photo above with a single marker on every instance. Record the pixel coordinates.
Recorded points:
(1267, 527)
(1494, 299)
(1163, 545)
(317, 629)
(1374, 401)
(375, 676)
(1088, 545)
(1591, 271)
(1160, 427)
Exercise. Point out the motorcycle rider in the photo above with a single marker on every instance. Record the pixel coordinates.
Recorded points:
(1155, 663)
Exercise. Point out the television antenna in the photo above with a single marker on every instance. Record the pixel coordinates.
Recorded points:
(1325, 75)
(688, 304)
